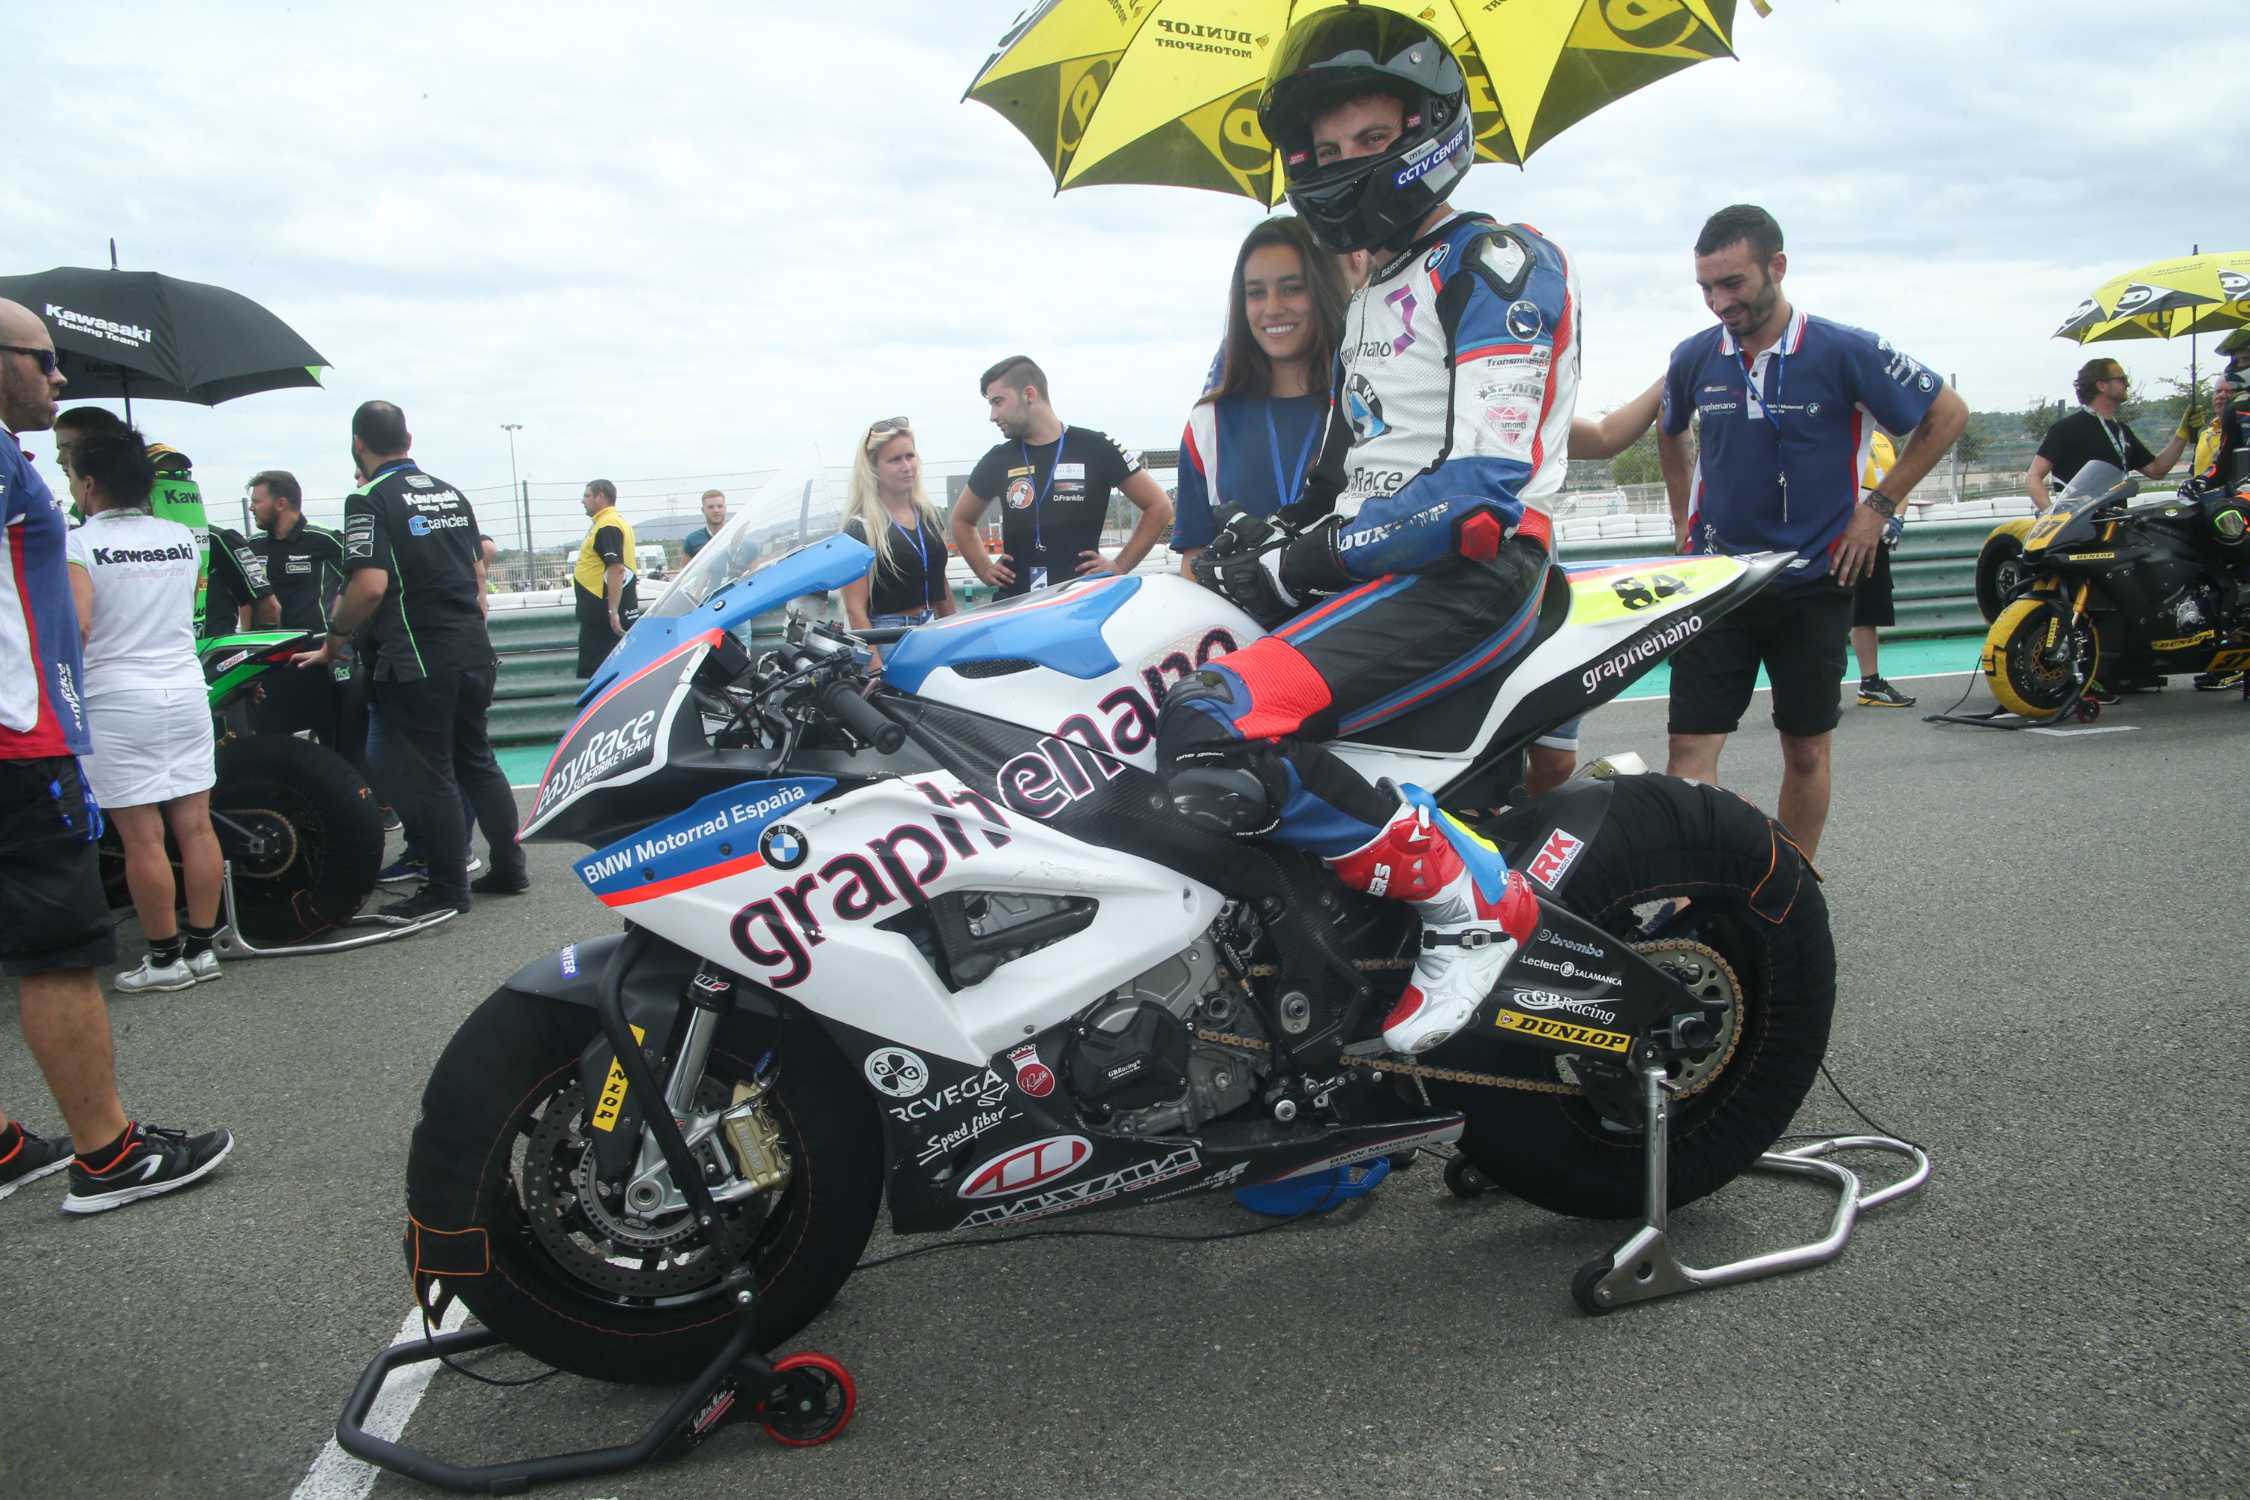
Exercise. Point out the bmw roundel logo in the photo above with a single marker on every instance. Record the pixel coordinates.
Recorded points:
(784, 847)
(1523, 319)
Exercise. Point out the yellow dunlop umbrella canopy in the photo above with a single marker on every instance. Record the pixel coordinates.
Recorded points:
(2166, 299)
(1165, 92)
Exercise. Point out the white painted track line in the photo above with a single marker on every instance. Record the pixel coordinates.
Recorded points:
(335, 1474)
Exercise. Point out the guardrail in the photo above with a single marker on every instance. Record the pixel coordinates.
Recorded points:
(1933, 575)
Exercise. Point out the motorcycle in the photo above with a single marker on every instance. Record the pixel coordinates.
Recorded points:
(938, 937)
(2104, 589)
(297, 825)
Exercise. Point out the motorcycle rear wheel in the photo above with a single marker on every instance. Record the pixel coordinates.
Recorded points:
(1751, 897)
(484, 1114)
(2024, 684)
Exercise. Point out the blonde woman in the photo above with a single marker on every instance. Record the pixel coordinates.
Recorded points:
(890, 513)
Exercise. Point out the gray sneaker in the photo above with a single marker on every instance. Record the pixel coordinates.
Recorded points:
(152, 975)
(205, 966)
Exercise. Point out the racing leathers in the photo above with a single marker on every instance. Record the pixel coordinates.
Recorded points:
(1421, 568)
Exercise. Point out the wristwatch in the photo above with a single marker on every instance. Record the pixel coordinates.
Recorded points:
(1880, 503)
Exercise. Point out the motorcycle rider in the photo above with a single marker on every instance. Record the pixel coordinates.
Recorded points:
(2222, 487)
(1422, 544)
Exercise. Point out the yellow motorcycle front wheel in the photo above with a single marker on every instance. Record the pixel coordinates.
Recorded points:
(2021, 651)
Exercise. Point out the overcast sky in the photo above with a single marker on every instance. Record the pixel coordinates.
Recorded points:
(679, 240)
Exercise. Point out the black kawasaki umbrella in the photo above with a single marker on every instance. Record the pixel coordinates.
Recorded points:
(135, 333)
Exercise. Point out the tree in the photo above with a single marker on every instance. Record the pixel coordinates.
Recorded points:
(1637, 464)
(2039, 416)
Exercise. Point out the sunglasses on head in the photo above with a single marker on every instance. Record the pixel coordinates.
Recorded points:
(889, 425)
(44, 358)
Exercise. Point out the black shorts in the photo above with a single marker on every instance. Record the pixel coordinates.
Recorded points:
(1871, 598)
(1797, 634)
(53, 915)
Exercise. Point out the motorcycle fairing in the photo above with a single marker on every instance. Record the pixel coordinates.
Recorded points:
(229, 661)
(624, 736)
(1059, 628)
(715, 837)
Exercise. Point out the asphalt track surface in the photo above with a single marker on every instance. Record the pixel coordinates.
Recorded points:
(2039, 944)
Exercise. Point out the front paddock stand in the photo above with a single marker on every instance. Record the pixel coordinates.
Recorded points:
(801, 1401)
(1644, 1266)
(230, 944)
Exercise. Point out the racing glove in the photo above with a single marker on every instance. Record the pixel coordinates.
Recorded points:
(2192, 421)
(1235, 566)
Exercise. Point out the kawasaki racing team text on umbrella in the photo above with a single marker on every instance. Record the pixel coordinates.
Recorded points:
(136, 333)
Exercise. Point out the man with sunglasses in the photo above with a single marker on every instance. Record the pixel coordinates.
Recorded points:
(2093, 433)
(54, 923)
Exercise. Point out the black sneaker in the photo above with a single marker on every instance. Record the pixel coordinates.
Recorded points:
(422, 906)
(153, 1160)
(2217, 682)
(1874, 692)
(32, 1158)
(499, 883)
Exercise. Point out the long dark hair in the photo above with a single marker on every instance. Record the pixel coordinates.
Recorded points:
(1244, 368)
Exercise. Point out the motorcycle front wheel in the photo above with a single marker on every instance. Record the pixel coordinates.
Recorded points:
(501, 1151)
(1751, 899)
(2016, 657)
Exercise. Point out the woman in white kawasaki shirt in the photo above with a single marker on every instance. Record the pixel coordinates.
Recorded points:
(134, 577)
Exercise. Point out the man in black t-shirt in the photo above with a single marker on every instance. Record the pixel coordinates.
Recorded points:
(237, 579)
(1054, 482)
(416, 579)
(304, 564)
(2093, 433)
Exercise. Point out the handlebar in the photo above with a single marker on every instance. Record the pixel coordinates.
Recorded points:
(842, 700)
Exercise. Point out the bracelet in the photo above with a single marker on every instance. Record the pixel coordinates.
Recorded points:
(1880, 503)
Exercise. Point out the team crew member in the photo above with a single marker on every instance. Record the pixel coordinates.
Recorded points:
(889, 510)
(54, 923)
(410, 547)
(1054, 482)
(714, 517)
(602, 582)
(304, 564)
(1252, 437)
(1458, 370)
(237, 594)
(133, 577)
(2094, 432)
(1789, 404)
(1873, 605)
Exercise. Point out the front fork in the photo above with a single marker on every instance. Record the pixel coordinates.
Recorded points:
(751, 1145)
(2056, 652)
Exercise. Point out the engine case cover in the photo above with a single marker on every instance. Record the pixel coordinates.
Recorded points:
(1129, 1058)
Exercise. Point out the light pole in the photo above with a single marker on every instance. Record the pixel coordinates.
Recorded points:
(515, 496)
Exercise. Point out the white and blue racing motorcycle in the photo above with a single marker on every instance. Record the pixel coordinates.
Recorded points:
(938, 937)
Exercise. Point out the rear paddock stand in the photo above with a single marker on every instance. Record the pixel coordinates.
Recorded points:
(1644, 1265)
(801, 1401)
(230, 944)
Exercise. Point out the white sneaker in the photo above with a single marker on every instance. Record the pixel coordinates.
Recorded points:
(152, 975)
(1475, 913)
(205, 966)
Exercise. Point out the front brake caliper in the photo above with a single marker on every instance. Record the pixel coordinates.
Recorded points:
(753, 1140)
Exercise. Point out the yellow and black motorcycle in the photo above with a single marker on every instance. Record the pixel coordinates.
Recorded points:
(2106, 589)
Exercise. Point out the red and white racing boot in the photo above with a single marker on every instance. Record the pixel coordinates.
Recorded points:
(1475, 913)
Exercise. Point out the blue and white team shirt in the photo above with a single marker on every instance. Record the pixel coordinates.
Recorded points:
(1784, 437)
(41, 667)
(1457, 376)
(1243, 452)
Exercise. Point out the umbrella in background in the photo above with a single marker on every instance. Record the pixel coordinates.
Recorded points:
(136, 333)
(1165, 92)
(2167, 300)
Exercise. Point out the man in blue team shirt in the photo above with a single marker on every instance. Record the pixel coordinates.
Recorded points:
(54, 924)
(1786, 406)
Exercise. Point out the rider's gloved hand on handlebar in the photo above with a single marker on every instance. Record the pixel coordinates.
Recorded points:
(1236, 566)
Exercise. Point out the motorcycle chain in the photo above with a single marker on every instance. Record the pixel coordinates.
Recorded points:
(1465, 1075)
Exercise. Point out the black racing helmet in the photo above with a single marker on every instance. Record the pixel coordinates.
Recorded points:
(1345, 54)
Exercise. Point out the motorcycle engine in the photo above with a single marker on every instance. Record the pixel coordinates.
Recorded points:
(1133, 1059)
(2191, 608)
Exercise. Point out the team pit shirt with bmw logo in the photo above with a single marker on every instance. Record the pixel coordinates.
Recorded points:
(423, 532)
(1455, 385)
(1782, 439)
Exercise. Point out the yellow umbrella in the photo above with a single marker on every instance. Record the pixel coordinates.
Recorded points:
(1165, 92)
(2165, 285)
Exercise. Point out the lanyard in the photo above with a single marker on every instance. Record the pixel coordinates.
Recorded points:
(922, 546)
(1039, 498)
(1285, 493)
(1766, 409)
(2115, 441)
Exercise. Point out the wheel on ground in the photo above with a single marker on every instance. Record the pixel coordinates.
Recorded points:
(1754, 906)
(1585, 1280)
(811, 1400)
(2038, 659)
(1463, 1180)
(302, 832)
(502, 1151)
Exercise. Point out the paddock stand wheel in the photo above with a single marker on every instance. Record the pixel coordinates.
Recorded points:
(1464, 1180)
(802, 1400)
(1644, 1265)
